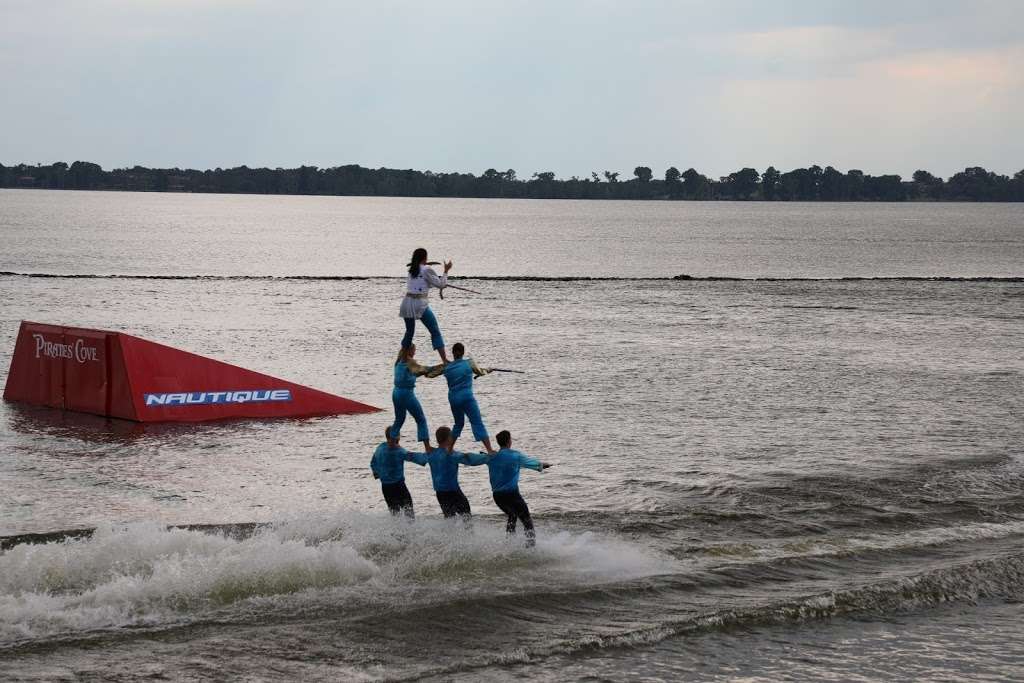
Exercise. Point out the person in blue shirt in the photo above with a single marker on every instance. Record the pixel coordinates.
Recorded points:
(460, 374)
(403, 396)
(444, 464)
(388, 465)
(504, 469)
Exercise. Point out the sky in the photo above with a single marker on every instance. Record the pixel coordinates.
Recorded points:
(566, 86)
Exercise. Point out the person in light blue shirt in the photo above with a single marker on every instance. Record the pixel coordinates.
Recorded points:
(403, 396)
(444, 464)
(460, 374)
(504, 469)
(388, 465)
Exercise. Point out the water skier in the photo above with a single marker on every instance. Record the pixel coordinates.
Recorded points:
(460, 374)
(403, 396)
(444, 463)
(415, 304)
(504, 469)
(388, 465)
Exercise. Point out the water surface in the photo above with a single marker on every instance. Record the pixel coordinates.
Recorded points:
(799, 478)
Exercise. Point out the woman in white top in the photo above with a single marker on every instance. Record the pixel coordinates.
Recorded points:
(416, 306)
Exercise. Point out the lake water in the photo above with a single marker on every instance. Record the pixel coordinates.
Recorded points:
(808, 477)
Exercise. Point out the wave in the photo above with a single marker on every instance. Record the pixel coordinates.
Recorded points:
(148, 576)
(857, 545)
(992, 579)
(510, 278)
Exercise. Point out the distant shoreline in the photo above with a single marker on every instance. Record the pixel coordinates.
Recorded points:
(813, 184)
(517, 278)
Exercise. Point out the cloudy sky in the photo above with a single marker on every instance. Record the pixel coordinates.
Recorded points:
(568, 86)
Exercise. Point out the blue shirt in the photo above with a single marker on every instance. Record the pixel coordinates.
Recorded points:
(460, 374)
(404, 379)
(389, 463)
(444, 467)
(504, 468)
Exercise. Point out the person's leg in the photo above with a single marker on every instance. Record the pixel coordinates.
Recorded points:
(436, 340)
(458, 418)
(501, 500)
(404, 499)
(416, 410)
(444, 499)
(472, 411)
(391, 497)
(399, 401)
(523, 512)
(462, 504)
(410, 330)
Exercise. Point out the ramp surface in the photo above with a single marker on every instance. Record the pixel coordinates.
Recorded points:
(119, 375)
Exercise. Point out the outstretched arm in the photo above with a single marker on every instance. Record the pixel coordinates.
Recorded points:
(477, 370)
(532, 463)
(434, 371)
(424, 370)
(416, 457)
(472, 458)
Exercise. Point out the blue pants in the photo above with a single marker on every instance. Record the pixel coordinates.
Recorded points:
(406, 402)
(430, 321)
(463, 406)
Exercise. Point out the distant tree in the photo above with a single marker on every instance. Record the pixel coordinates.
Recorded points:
(84, 175)
(855, 184)
(743, 183)
(695, 185)
(977, 184)
(886, 188)
(491, 184)
(812, 180)
(800, 184)
(672, 182)
(308, 176)
(833, 186)
(926, 186)
(769, 183)
(813, 183)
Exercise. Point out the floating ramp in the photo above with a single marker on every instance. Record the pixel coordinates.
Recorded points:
(119, 375)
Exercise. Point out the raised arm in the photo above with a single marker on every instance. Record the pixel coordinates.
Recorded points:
(433, 279)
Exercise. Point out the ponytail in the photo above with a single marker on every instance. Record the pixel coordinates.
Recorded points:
(418, 257)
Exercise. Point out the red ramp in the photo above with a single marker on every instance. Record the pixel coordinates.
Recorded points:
(118, 375)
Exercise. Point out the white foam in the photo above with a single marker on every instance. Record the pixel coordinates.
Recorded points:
(145, 574)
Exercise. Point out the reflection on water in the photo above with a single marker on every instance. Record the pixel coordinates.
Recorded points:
(38, 421)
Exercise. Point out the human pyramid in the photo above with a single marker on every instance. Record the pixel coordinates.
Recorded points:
(388, 463)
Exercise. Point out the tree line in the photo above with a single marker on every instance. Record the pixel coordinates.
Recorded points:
(801, 184)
